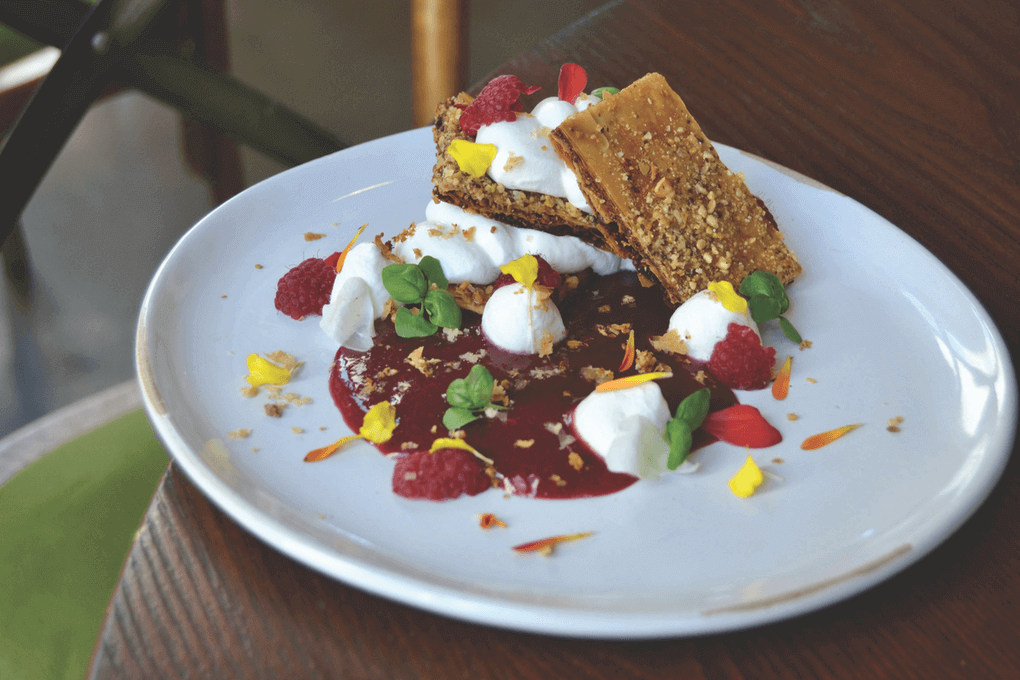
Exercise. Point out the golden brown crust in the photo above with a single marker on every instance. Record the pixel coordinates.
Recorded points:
(491, 199)
(660, 189)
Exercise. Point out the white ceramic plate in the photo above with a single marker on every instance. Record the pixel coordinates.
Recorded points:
(894, 333)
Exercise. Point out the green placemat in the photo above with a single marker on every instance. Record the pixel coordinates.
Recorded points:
(66, 524)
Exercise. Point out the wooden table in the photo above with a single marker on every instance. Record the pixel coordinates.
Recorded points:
(912, 107)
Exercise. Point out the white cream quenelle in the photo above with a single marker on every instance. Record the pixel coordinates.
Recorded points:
(469, 247)
(626, 428)
(525, 158)
(517, 319)
(702, 321)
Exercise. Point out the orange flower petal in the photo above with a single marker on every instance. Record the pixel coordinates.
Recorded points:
(819, 440)
(343, 253)
(781, 386)
(628, 355)
(630, 381)
(327, 451)
(489, 520)
(545, 545)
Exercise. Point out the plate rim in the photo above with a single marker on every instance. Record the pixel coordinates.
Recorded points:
(555, 620)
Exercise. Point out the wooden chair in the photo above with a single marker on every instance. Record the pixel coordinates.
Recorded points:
(174, 51)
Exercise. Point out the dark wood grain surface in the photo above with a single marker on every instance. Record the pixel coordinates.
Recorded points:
(911, 107)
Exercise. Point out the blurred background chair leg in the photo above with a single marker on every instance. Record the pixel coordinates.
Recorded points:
(17, 269)
(439, 54)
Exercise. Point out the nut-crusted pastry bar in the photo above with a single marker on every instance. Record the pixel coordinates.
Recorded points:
(482, 195)
(652, 176)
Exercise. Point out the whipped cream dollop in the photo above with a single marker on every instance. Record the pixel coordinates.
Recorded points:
(626, 428)
(472, 248)
(522, 320)
(358, 298)
(702, 321)
(469, 247)
(525, 157)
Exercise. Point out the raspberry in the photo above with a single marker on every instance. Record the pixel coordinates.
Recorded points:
(305, 289)
(740, 362)
(547, 276)
(497, 102)
(439, 476)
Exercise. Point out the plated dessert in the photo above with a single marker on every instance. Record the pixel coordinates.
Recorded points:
(574, 313)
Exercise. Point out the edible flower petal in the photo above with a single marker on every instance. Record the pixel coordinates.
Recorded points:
(343, 253)
(451, 443)
(781, 386)
(262, 371)
(630, 381)
(571, 82)
(524, 270)
(377, 427)
(819, 440)
(545, 546)
(471, 157)
(728, 297)
(628, 355)
(742, 425)
(748, 478)
(379, 423)
(489, 520)
(327, 451)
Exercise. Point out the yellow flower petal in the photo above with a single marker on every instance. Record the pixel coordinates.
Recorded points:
(471, 157)
(264, 371)
(747, 479)
(379, 423)
(451, 443)
(524, 270)
(728, 297)
(630, 381)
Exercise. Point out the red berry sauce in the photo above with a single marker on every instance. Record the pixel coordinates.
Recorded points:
(543, 390)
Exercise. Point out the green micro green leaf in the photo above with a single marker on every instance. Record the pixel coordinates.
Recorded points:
(763, 308)
(456, 418)
(433, 272)
(598, 92)
(458, 395)
(410, 325)
(761, 283)
(472, 392)
(479, 384)
(693, 409)
(789, 331)
(405, 283)
(680, 441)
(442, 308)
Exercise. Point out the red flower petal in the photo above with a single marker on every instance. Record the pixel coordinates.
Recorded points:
(742, 425)
(572, 81)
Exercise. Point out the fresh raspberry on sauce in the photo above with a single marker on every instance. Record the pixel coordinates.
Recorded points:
(740, 362)
(439, 476)
(305, 289)
(547, 276)
(497, 102)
